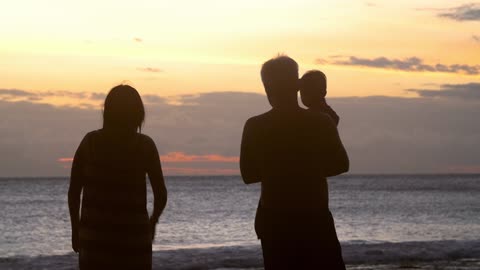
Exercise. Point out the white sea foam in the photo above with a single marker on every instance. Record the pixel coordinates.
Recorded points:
(249, 257)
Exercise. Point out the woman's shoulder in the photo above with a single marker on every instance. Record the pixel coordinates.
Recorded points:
(147, 144)
(86, 143)
(144, 137)
(146, 140)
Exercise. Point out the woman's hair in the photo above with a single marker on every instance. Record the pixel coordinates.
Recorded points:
(123, 109)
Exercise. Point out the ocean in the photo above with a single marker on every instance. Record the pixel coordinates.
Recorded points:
(382, 221)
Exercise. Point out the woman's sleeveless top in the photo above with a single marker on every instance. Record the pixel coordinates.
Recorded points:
(114, 223)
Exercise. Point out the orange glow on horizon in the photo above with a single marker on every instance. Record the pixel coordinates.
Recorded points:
(199, 171)
(207, 162)
(174, 157)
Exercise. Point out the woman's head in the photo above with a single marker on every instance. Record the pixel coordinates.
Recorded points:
(123, 109)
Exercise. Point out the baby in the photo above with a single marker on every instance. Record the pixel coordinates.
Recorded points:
(313, 92)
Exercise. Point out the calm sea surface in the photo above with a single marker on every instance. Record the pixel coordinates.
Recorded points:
(214, 212)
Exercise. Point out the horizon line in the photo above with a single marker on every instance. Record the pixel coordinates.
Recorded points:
(223, 175)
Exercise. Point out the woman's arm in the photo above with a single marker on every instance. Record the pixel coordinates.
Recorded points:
(74, 191)
(155, 174)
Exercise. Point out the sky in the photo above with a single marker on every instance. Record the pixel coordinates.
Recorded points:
(404, 76)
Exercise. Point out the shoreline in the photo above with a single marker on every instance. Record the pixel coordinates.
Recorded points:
(342, 176)
(69, 261)
(409, 255)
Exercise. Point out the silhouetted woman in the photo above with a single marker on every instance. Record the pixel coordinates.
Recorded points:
(110, 166)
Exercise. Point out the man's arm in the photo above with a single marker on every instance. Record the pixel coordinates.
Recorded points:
(249, 165)
(334, 116)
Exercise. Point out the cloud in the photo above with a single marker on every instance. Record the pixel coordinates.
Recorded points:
(409, 134)
(201, 134)
(466, 91)
(66, 163)
(320, 61)
(15, 92)
(207, 130)
(174, 157)
(98, 96)
(180, 163)
(410, 64)
(42, 96)
(468, 12)
(199, 171)
(150, 69)
(34, 98)
(472, 169)
(154, 99)
(69, 94)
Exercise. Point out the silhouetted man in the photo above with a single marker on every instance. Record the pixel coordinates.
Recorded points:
(290, 151)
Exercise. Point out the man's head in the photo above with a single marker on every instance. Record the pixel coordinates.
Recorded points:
(280, 79)
(314, 87)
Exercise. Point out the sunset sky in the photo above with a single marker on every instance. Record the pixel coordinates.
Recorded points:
(59, 59)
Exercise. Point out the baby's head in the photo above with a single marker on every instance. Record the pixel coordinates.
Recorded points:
(314, 87)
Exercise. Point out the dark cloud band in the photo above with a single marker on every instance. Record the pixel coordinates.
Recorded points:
(469, 12)
(15, 93)
(466, 91)
(405, 135)
(9, 94)
(411, 64)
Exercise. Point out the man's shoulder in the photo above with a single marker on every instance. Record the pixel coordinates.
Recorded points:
(320, 120)
(259, 118)
(91, 134)
(318, 115)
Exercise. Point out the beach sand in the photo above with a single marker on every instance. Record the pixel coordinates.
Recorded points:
(178, 261)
